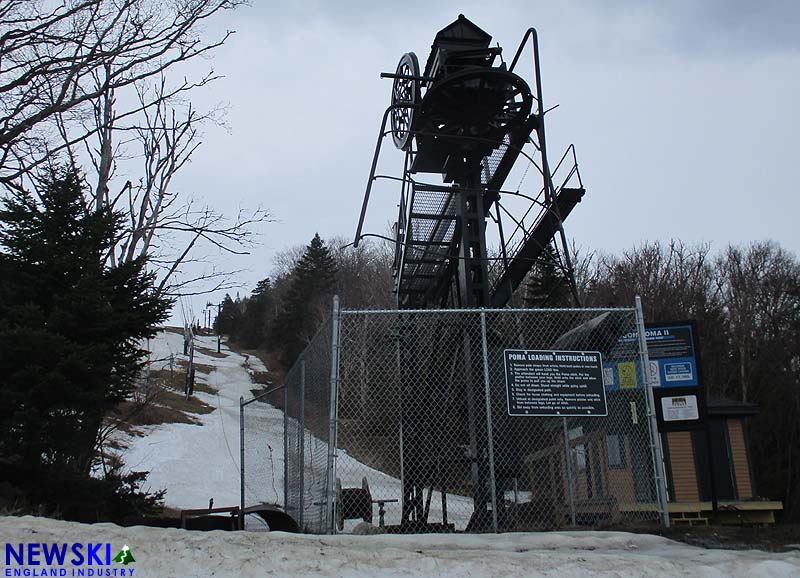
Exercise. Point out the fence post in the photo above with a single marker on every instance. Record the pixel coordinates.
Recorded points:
(400, 408)
(241, 462)
(332, 416)
(489, 436)
(570, 476)
(302, 441)
(286, 447)
(655, 440)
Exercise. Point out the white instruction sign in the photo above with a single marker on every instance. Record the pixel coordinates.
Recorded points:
(680, 408)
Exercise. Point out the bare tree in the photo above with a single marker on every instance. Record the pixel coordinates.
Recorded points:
(761, 286)
(364, 274)
(72, 62)
(58, 58)
(747, 305)
(285, 260)
(675, 280)
(168, 135)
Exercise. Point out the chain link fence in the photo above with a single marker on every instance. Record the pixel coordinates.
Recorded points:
(401, 418)
(286, 461)
(262, 453)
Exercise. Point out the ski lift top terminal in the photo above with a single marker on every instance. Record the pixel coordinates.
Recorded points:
(463, 123)
(469, 116)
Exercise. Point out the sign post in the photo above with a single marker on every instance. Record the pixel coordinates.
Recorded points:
(680, 395)
(657, 449)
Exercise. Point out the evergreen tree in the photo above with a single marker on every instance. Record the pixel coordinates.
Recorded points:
(306, 302)
(316, 269)
(70, 326)
(257, 311)
(547, 285)
(229, 317)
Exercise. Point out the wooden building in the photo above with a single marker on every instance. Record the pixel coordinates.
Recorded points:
(688, 469)
(606, 486)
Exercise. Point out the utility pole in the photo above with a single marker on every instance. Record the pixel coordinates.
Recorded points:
(208, 311)
(219, 329)
(219, 310)
(189, 390)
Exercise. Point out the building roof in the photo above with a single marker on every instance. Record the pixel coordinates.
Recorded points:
(728, 407)
(461, 31)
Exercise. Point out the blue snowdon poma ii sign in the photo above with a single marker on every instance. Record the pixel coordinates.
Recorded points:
(90, 559)
(671, 349)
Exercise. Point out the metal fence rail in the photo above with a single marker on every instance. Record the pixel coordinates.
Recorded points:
(261, 438)
(404, 414)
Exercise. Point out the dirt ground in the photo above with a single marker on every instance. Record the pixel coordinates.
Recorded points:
(770, 538)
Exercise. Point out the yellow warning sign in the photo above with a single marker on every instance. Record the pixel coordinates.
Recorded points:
(627, 375)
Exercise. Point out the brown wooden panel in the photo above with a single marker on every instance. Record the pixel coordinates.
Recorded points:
(620, 480)
(741, 466)
(684, 474)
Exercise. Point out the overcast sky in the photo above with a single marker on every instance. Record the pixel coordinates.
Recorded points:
(684, 114)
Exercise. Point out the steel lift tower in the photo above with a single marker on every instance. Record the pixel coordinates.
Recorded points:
(469, 117)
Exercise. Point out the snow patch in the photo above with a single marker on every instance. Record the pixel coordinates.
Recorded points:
(169, 552)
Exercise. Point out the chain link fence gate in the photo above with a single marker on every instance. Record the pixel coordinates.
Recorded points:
(404, 414)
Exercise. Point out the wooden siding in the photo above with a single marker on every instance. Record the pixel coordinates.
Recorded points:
(620, 480)
(741, 467)
(684, 474)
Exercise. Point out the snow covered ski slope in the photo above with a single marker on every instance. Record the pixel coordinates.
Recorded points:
(197, 462)
(168, 553)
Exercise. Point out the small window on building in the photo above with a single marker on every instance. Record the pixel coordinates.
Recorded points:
(578, 450)
(615, 449)
(580, 457)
